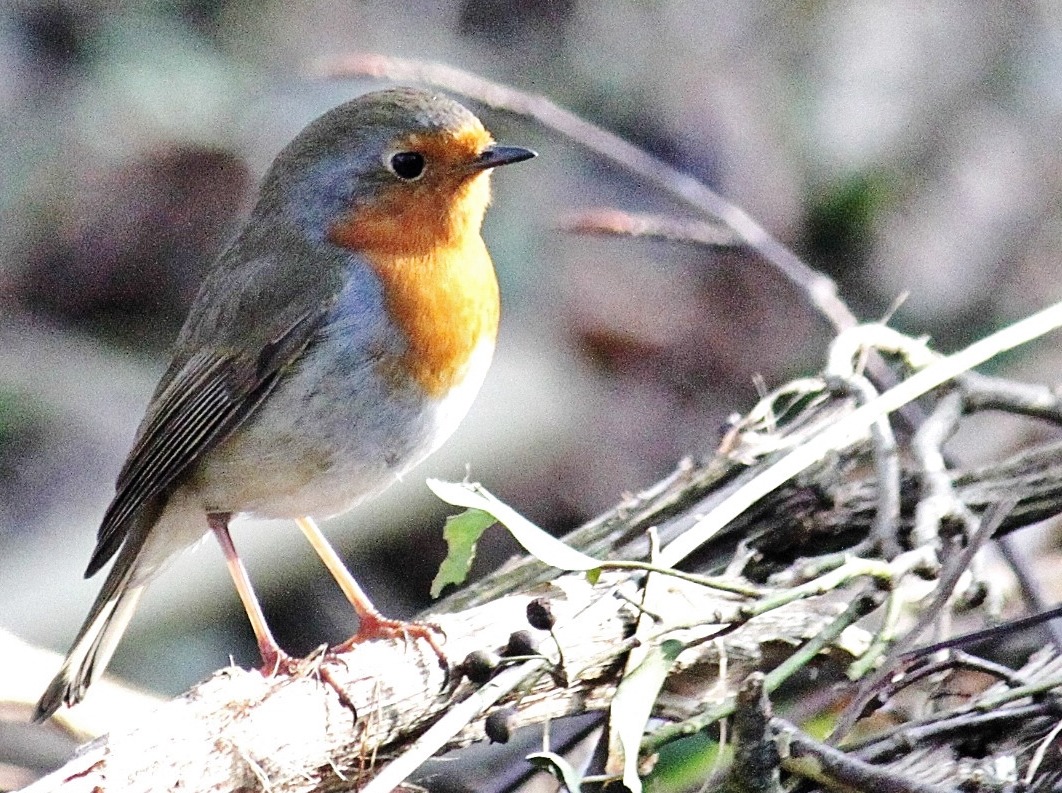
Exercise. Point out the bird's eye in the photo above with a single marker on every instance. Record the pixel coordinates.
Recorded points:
(408, 165)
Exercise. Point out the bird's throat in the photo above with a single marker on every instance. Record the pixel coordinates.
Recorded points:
(438, 280)
(446, 305)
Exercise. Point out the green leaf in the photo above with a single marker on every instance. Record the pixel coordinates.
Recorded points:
(633, 704)
(461, 533)
(559, 767)
(535, 541)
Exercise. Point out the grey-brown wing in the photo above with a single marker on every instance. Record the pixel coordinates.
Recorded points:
(201, 404)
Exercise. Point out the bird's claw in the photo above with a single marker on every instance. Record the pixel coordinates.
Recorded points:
(277, 662)
(376, 626)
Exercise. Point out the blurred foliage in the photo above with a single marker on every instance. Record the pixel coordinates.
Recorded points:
(840, 225)
(685, 764)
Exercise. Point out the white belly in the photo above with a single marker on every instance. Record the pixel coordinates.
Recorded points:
(310, 453)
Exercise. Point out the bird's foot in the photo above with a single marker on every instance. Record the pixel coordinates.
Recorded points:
(277, 662)
(377, 626)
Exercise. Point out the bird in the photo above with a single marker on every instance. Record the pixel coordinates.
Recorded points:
(336, 342)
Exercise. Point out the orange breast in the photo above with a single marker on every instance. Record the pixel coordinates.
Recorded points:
(438, 279)
(446, 305)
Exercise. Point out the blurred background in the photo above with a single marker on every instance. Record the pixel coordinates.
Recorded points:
(906, 148)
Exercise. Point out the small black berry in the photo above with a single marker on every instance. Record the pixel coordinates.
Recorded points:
(520, 643)
(498, 725)
(539, 614)
(479, 666)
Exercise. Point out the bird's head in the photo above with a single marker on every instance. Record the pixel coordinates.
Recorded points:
(398, 171)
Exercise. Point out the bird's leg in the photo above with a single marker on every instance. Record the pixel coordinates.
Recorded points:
(371, 623)
(274, 659)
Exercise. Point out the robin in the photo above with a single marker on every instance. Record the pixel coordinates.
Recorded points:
(336, 342)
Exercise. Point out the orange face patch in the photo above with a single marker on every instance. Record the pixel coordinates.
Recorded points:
(440, 208)
(416, 218)
(422, 239)
(448, 147)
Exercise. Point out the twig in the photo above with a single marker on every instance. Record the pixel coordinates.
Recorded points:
(631, 224)
(1041, 750)
(756, 758)
(983, 392)
(884, 637)
(938, 503)
(455, 720)
(808, 758)
(712, 582)
(994, 632)
(860, 606)
(886, 466)
(942, 726)
(956, 659)
(852, 569)
(1033, 594)
(850, 428)
(986, 392)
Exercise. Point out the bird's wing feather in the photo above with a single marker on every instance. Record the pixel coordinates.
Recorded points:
(215, 382)
(211, 395)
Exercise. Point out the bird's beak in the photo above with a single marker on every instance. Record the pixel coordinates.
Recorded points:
(501, 155)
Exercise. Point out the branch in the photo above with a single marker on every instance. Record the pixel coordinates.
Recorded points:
(295, 734)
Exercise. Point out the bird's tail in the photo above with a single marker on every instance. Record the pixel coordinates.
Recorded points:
(105, 624)
(91, 652)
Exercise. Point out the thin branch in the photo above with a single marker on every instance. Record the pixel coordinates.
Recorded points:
(616, 222)
(886, 530)
(1020, 563)
(804, 756)
(848, 430)
(995, 632)
(942, 726)
(859, 607)
(450, 725)
(985, 392)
